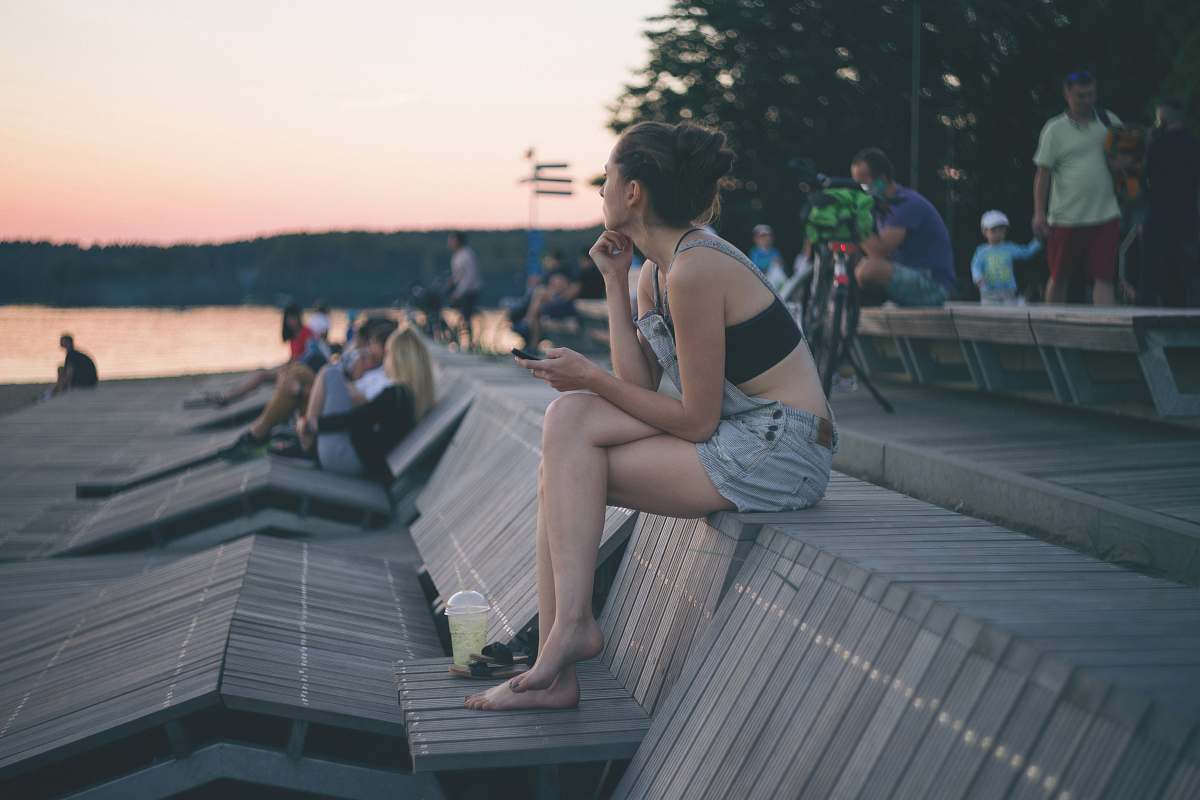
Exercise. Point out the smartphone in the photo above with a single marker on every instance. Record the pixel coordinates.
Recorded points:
(519, 353)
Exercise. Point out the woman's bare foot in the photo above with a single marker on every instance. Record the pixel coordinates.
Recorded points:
(563, 693)
(568, 643)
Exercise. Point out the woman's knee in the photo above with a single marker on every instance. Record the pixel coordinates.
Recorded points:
(567, 418)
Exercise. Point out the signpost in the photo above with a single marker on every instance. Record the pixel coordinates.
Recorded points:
(541, 183)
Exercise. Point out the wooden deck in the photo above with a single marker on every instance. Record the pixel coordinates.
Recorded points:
(877, 646)
(1121, 489)
(265, 627)
(121, 427)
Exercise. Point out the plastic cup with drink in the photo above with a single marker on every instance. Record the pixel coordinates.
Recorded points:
(467, 614)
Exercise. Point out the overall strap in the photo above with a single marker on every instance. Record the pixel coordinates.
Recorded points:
(737, 255)
(659, 295)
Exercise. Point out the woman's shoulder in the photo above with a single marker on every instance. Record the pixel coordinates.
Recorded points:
(705, 260)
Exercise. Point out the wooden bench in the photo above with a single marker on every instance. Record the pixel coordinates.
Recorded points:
(670, 580)
(876, 646)
(201, 499)
(478, 514)
(1086, 355)
(877, 350)
(593, 316)
(1159, 349)
(928, 344)
(998, 344)
(260, 660)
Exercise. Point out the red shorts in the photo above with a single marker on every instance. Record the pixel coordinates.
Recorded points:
(1093, 245)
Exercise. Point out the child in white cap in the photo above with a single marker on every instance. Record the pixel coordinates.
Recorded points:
(992, 264)
(766, 257)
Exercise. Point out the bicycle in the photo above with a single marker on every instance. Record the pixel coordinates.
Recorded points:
(830, 304)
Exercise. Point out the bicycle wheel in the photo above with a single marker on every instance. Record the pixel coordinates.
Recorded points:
(833, 342)
(816, 310)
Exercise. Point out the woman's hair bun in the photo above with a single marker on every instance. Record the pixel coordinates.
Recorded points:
(701, 152)
(679, 165)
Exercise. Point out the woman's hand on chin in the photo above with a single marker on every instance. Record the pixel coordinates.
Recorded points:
(564, 369)
(613, 253)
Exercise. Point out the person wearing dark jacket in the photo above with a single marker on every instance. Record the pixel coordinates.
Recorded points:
(1171, 272)
(78, 370)
(352, 425)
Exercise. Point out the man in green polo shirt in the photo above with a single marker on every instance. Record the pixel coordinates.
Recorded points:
(1082, 226)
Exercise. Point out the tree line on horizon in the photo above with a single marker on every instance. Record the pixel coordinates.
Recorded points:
(346, 269)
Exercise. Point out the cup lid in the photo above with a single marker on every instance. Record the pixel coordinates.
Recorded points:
(467, 601)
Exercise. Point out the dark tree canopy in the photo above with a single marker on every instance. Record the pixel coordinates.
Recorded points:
(822, 79)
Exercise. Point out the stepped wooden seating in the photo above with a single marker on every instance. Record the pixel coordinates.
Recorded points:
(202, 499)
(260, 660)
(878, 646)
(662, 600)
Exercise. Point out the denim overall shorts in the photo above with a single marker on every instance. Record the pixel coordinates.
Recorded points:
(764, 455)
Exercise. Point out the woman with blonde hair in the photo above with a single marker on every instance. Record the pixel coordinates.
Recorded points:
(355, 420)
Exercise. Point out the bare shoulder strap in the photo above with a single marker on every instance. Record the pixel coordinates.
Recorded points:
(737, 255)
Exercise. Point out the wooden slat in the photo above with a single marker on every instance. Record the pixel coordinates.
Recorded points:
(993, 324)
(921, 323)
(900, 669)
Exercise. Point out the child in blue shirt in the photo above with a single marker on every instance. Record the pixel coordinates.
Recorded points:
(992, 264)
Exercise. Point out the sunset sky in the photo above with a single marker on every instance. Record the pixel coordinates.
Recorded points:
(199, 121)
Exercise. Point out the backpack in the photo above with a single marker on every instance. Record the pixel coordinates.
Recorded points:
(1129, 142)
(840, 215)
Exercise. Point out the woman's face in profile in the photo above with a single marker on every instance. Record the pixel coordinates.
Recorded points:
(616, 213)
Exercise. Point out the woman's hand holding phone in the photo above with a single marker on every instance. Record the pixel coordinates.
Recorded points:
(562, 368)
(613, 253)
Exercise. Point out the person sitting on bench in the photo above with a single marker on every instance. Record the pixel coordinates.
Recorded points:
(293, 385)
(553, 302)
(750, 429)
(301, 342)
(355, 420)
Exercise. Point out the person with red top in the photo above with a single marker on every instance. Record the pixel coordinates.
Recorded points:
(298, 337)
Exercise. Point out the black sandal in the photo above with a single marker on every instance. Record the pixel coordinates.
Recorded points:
(481, 670)
(500, 654)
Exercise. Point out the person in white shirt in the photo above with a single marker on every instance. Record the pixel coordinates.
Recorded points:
(335, 392)
(465, 278)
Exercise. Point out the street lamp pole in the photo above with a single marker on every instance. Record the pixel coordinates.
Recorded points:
(914, 135)
(539, 185)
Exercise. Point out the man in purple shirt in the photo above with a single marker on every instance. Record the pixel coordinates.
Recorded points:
(909, 257)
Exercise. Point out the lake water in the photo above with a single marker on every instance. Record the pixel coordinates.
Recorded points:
(155, 342)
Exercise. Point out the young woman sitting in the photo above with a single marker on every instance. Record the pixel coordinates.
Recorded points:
(751, 429)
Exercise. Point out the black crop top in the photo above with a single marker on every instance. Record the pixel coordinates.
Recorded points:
(755, 345)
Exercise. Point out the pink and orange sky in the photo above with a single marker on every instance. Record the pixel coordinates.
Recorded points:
(198, 121)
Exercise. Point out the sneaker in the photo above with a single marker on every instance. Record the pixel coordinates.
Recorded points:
(246, 446)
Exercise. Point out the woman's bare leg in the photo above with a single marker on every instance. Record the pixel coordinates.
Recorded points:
(249, 384)
(594, 453)
(545, 590)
